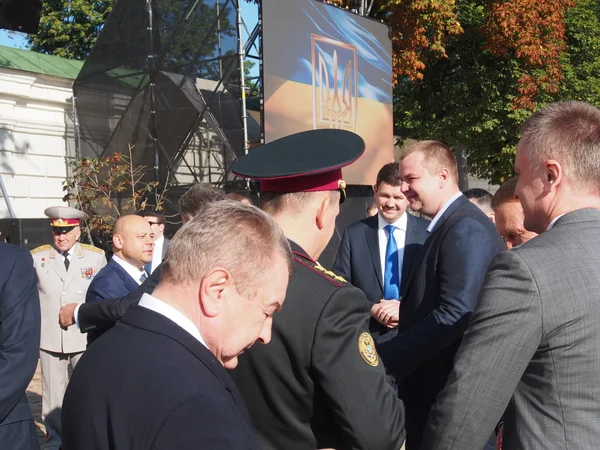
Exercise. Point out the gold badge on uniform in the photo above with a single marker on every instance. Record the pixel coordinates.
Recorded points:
(366, 348)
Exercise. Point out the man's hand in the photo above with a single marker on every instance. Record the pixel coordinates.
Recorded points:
(66, 315)
(386, 312)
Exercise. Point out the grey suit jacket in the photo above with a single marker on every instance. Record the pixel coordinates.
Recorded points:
(532, 348)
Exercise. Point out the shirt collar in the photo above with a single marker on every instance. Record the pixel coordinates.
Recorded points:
(553, 222)
(133, 271)
(442, 211)
(159, 242)
(400, 223)
(166, 310)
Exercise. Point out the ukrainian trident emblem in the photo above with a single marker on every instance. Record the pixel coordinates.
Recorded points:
(335, 83)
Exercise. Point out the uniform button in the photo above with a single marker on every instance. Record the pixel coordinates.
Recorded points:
(64, 293)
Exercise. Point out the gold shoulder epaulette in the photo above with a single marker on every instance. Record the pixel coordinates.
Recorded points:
(330, 274)
(41, 248)
(92, 248)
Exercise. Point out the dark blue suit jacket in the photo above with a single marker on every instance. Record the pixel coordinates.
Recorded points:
(359, 262)
(149, 384)
(111, 282)
(19, 346)
(440, 295)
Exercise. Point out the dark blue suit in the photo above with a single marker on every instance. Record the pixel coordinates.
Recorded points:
(440, 295)
(19, 346)
(150, 385)
(359, 262)
(111, 282)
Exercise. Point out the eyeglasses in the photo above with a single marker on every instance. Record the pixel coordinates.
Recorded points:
(154, 223)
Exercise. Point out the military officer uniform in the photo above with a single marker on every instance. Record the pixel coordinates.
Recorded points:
(319, 383)
(58, 286)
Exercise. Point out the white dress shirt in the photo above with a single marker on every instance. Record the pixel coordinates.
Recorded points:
(134, 272)
(162, 308)
(157, 253)
(442, 211)
(399, 234)
(553, 222)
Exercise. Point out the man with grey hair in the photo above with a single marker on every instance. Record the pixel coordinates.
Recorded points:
(533, 345)
(157, 379)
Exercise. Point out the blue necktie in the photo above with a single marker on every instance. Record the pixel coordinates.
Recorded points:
(148, 267)
(391, 281)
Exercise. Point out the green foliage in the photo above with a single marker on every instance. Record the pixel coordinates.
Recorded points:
(466, 100)
(69, 28)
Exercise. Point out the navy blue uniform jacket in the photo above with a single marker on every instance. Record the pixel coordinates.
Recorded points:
(147, 384)
(111, 282)
(19, 346)
(359, 262)
(439, 297)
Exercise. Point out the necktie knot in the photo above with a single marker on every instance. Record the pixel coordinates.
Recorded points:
(67, 262)
(390, 228)
(143, 277)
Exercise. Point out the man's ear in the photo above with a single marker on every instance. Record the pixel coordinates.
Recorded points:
(554, 173)
(322, 208)
(213, 289)
(117, 241)
(444, 176)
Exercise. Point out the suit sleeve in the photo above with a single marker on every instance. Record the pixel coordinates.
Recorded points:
(202, 422)
(341, 266)
(501, 340)
(466, 252)
(364, 405)
(19, 330)
(104, 313)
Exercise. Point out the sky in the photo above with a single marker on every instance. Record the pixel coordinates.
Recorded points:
(19, 40)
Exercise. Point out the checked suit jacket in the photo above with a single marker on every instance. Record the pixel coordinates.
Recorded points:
(532, 349)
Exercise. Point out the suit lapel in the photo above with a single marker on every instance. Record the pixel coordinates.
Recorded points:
(57, 263)
(129, 282)
(456, 204)
(372, 239)
(411, 252)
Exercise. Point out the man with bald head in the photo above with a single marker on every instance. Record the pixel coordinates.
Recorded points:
(132, 244)
(509, 215)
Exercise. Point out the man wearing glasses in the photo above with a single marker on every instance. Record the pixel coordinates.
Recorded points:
(161, 243)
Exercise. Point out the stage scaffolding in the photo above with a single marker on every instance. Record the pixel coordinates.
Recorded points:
(167, 77)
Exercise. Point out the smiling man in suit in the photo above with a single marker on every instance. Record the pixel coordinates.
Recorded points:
(532, 350)
(157, 221)
(377, 253)
(132, 246)
(440, 293)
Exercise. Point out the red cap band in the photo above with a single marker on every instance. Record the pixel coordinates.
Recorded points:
(326, 181)
(64, 222)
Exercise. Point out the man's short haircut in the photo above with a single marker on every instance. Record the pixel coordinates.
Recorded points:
(228, 234)
(481, 197)
(389, 174)
(292, 202)
(160, 217)
(568, 132)
(197, 197)
(437, 154)
(505, 193)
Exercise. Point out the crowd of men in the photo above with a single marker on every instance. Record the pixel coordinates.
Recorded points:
(478, 325)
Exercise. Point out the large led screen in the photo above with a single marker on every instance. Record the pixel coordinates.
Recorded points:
(324, 67)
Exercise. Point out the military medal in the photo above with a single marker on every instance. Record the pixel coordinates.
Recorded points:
(87, 273)
(366, 348)
(43, 262)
